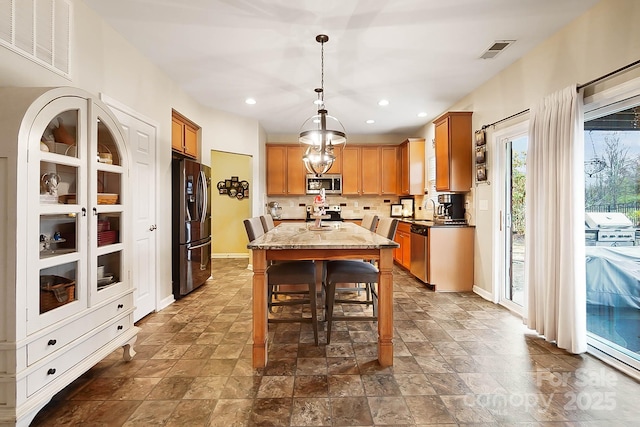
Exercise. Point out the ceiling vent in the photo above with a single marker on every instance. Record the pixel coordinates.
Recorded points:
(39, 30)
(497, 47)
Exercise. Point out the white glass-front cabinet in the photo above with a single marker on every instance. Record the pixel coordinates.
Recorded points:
(67, 284)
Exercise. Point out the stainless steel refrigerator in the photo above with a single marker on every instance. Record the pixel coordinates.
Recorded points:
(191, 225)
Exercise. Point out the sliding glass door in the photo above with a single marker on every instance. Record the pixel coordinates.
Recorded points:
(511, 164)
(612, 224)
(515, 178)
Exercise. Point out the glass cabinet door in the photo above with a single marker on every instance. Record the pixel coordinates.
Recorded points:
(107, 160)
(56, 213)
(76, 169)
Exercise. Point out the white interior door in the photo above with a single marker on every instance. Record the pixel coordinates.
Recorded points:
(141, 140)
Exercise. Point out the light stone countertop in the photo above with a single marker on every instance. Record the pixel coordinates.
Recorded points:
(334, 235)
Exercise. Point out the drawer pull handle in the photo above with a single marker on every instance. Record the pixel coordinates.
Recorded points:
(120, 327)
(51, 371)
(120, 306)
(52, 342)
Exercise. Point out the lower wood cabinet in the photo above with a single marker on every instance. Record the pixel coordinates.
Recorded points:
(450, 258)
(402, 255)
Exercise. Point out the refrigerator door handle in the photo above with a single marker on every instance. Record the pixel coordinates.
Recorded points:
(204, 198)
(198, 246)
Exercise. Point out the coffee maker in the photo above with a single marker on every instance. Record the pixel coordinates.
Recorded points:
(451, 209)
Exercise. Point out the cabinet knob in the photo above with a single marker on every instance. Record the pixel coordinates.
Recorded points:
(120, 306)
(51, 371)
(120, 327)
(52, 342)
(153, 227)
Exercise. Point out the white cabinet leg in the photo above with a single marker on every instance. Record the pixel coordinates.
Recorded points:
(129, 352)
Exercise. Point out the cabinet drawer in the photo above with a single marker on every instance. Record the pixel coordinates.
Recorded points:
(62, 336)
(48, 372)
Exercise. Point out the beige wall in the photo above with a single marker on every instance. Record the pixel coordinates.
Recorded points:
(603, 39)
(228, 233)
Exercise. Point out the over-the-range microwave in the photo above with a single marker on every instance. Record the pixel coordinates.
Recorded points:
(331, 182)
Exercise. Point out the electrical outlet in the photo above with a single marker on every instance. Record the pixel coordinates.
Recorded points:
(355, 204)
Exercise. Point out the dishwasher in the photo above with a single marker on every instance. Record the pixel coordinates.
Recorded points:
(419, 247)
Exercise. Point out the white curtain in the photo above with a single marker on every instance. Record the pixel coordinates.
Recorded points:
(554, 241)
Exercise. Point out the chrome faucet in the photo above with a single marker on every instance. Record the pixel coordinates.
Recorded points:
(433, 202)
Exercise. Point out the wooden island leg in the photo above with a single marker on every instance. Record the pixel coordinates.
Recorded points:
(385, 308)
(259, 309)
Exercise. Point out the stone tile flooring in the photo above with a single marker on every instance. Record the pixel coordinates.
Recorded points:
(459, 360)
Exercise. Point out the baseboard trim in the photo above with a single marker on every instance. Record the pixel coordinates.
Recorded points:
(229, 255)
(483, 293)
(166, 302)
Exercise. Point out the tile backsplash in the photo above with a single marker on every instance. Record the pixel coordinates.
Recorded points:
(353, 207)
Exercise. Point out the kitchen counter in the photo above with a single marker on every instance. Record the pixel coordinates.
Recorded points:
(429, 223)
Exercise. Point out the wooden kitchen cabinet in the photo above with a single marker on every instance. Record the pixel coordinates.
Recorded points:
(412, 167)
(453, 151)
(337, 163)
(184, 135)
(369, 170)
(286, 173)
(352, 170)
(402, 255)
(450, 258)
(389, 169)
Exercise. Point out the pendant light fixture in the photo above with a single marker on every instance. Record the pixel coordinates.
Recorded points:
(321, 132)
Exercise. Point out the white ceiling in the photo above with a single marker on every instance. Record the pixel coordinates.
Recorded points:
(420, 55)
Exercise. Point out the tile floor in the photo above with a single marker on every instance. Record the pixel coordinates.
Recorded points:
(459, 360)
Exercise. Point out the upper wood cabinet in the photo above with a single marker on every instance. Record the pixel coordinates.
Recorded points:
(369, 170)
(412, 167)
(352, 170)
(337, 163)
(389, 169)
(285, 170)
(184, 135)
(453, 151)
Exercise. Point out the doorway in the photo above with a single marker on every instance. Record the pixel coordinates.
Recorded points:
(140, 134)
(229, 238)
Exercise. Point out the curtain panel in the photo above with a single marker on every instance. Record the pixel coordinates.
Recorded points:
(554, 241)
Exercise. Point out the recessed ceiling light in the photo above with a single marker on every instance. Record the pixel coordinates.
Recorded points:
(370, 121)
(383, 103)
(250, 101)
(422, 114)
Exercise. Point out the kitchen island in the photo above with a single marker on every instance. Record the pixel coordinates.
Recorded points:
(340, 240)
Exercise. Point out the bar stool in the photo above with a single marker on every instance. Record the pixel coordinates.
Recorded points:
(370, 221)
(288, 273)
(355, 271)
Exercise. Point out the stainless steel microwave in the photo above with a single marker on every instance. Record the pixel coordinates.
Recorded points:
(332, 183)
